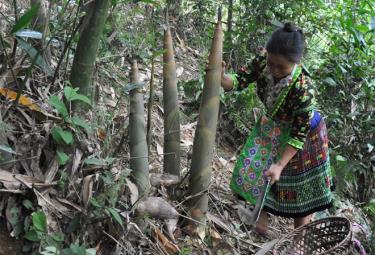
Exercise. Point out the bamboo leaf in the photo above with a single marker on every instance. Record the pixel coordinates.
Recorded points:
(115, 215)
(58, 105)
(34, 55)
(28, 33)
(26, 18)
(8, 149)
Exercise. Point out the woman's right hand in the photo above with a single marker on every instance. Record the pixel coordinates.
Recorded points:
(226, 81)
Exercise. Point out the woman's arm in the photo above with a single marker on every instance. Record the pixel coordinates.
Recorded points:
(244, 76)
(302, 103)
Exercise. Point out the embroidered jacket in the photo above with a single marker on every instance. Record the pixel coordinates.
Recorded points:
(292, 99)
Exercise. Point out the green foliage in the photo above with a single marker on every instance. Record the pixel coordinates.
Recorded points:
(60, 135)
(72, 95)
(62, 158)
(26, 18)
(103, 205)
(35, 56)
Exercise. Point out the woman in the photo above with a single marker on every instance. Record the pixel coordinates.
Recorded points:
(289, 144)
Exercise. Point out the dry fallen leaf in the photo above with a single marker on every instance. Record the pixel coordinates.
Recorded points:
(23, 100)
(163, 240)
(86, 192)
(171, 225)
(134, 194)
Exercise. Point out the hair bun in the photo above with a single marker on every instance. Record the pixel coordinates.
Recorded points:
(290, 27)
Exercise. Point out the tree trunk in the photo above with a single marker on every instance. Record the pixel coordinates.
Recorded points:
(200, 172)
(137, 136)
(171, 111)
(84, 59)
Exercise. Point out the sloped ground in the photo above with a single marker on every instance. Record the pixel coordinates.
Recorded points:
(38, 174)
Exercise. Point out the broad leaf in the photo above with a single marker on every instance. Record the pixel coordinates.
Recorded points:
(39, 221)
(28, 33)
(62, 158)
(81, 98)
(70, 92)
(34, 55)
(58, 237)
(61, 136)
(32, 235)
(80, 122)
(26, 18)
(59, 106)
(115, 215)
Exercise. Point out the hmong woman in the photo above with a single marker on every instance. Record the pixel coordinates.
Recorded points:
(289, 143)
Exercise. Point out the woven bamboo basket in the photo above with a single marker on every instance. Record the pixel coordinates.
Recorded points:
(329, 236)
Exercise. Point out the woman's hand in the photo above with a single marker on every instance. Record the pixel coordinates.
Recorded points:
(226, 81)
(274, 172)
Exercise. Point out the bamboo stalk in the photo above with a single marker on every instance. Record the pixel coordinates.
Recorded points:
(84, 59)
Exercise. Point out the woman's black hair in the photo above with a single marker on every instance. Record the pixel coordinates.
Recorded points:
(287, 41)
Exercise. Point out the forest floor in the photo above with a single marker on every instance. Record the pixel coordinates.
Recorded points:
(227, 231)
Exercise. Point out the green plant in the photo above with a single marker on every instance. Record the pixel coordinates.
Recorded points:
(62, 134)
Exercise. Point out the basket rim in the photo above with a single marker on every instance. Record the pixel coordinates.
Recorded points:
(345, 240)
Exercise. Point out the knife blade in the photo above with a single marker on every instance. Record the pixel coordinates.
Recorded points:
(260, 202)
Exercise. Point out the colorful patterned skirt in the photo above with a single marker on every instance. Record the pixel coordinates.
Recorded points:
(306, 182)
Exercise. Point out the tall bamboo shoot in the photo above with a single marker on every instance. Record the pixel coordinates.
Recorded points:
(137, 135)
(200, 171)
(171, 111)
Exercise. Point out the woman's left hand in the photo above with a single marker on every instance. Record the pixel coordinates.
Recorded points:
(274, 172)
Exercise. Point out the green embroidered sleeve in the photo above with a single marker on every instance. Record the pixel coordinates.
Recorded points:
(249, 73)
(303, 105)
